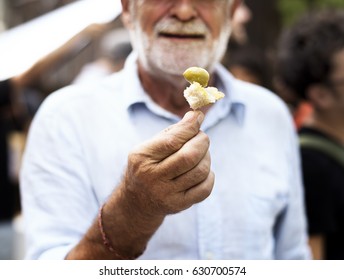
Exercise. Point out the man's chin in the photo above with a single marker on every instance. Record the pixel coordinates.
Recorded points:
(175, 62)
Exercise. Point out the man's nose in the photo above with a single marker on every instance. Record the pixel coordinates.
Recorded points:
(184, 10)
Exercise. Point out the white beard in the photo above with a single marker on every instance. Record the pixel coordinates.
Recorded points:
(164, 54)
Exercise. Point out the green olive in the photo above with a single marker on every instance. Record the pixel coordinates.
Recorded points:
(197, 74)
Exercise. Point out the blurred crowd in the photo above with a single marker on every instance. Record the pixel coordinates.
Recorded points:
(94, 52)
(307, 72)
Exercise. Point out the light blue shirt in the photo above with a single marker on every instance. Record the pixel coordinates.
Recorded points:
(77, 151)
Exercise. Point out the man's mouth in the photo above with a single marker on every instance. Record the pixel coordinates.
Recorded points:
(190, 36)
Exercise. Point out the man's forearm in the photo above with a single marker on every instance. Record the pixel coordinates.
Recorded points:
(122, 233)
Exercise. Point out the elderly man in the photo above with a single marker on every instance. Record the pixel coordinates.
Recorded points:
(99, 180)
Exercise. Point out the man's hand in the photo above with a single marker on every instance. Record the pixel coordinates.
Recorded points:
(165, 175)
(171, 172)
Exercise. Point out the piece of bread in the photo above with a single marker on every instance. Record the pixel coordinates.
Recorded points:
(197, 94)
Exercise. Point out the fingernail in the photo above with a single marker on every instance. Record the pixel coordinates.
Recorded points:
(189, 116)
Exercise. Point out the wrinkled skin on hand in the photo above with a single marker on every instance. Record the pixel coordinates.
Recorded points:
(165, 175)
(171, 172)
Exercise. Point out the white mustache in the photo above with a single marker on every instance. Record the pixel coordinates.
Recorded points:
(174, 26)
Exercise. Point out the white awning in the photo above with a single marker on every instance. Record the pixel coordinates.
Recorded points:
(22, 46)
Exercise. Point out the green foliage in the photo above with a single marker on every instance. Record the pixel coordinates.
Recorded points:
(292, 9)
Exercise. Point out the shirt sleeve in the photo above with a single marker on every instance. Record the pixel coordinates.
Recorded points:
(291, 225)
(58, 202)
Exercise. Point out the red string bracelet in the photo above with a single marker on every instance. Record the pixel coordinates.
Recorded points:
(106, 240)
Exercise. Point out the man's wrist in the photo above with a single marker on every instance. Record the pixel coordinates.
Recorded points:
(107, 243)
(128, 227)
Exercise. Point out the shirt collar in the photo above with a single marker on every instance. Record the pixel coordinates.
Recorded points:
(232, 104)
(233, 100)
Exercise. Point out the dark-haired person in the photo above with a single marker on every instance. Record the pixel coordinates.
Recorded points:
(311, 66)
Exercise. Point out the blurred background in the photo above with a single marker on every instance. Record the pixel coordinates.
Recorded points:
(48, 44)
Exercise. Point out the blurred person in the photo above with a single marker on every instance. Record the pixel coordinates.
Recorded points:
(248, 64)
(242, 16)
(123, 169)
(115, 47)
(300, 108)
(303, 112)
(311, 66)
(20, 97)
(239, 37)
(245, 62)
(11, 111)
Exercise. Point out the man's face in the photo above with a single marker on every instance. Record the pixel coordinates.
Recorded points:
(172, 35)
